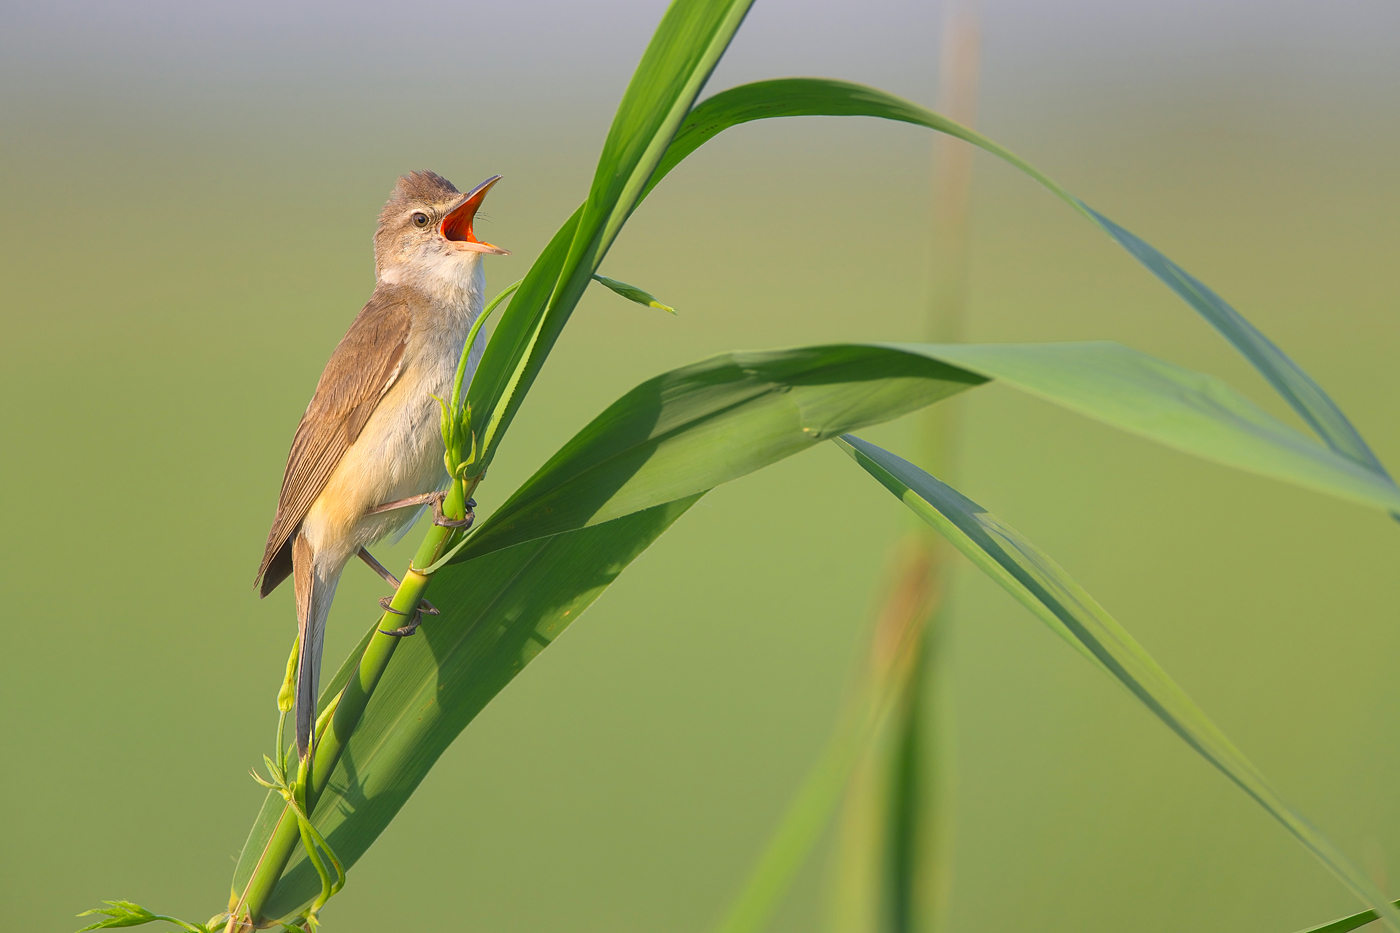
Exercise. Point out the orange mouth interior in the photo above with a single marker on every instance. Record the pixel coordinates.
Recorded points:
(457, 225)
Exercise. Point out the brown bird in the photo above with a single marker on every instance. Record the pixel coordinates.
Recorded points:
(370, 436)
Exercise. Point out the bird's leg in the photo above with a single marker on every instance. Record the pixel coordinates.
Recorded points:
(465, 522)
(415, 618)
(393, 581)
(435, 498)
(423, 499)
(379, 568)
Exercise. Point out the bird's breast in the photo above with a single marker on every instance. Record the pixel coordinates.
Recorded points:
(399, 452)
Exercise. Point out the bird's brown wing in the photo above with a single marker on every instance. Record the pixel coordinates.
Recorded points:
(360, 371)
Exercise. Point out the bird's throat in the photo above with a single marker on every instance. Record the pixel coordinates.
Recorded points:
(454, 284)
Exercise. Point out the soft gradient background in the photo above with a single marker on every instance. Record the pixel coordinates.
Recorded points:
(186, 197)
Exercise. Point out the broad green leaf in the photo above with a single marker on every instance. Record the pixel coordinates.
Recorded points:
(538, 561)
(1346, 924)
(792, 97)
(500, 372)
(633, 293)
(1043, 587)
(537, 316)
(1190, 411)
(498, 613)
(696, 427)
(683, 51)
(714, 421)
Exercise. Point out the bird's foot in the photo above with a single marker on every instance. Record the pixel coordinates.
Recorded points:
(436, 499)
(392, 580)
(463, 523)
(415, 617)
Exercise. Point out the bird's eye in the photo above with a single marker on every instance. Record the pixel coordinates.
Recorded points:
(420, 219)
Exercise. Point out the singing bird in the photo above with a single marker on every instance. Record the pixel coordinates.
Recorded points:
(370, 436)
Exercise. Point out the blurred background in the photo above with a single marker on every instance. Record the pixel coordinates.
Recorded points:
(187, 193)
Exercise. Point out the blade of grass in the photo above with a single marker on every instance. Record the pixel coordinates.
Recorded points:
(1190, 411)
(1043, 587)
(792, 97)
(498, 613)
(633, 293)
(1346, 924)
(695, 427)
(670, 440)
(711, 422)
(684, 50)
(896, 814)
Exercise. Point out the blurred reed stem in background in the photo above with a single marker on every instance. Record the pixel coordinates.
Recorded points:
(893, 870)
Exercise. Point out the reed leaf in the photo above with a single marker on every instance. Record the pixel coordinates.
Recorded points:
(1191, 411)
(632, 293)
(898, 655)
(547, 552)
(540, 311)
(1043, 587)
(705, 424)
(558, 541)
(498, 613)
(792, 97)
(683, 51)
(1346, 924)
(696, 427)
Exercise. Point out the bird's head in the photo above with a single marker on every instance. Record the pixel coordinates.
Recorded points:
(425, 230)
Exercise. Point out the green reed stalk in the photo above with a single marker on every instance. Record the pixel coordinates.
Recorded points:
(894, 868)
(245, 910)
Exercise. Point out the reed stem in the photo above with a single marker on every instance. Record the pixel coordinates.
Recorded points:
(246, 912)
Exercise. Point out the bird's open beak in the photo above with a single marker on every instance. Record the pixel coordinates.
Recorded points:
(457, 225)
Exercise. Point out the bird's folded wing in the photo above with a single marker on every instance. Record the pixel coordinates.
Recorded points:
(363, 367)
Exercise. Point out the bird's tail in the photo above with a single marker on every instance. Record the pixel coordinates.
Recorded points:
(315, 590)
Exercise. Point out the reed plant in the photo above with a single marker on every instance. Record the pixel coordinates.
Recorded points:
(509, 585)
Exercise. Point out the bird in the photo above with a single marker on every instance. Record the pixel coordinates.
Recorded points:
(368, 447)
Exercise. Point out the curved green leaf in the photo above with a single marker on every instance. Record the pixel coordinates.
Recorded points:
(632, 293)
(499, 375)
(1043, 587)
(498, 613)
(678, 61)
(1190, 411)
(1346, 924)
(793, 97)
(538, 314)
(705, 424)
(696, 427)
(535, 563)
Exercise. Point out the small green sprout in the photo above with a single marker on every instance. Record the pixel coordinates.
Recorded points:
(127, 914)
(294, 793)
(633, 293)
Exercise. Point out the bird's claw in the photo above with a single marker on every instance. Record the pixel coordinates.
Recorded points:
(415, 617)
(443, 521)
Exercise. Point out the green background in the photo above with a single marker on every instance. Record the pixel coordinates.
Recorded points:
(186, 200)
